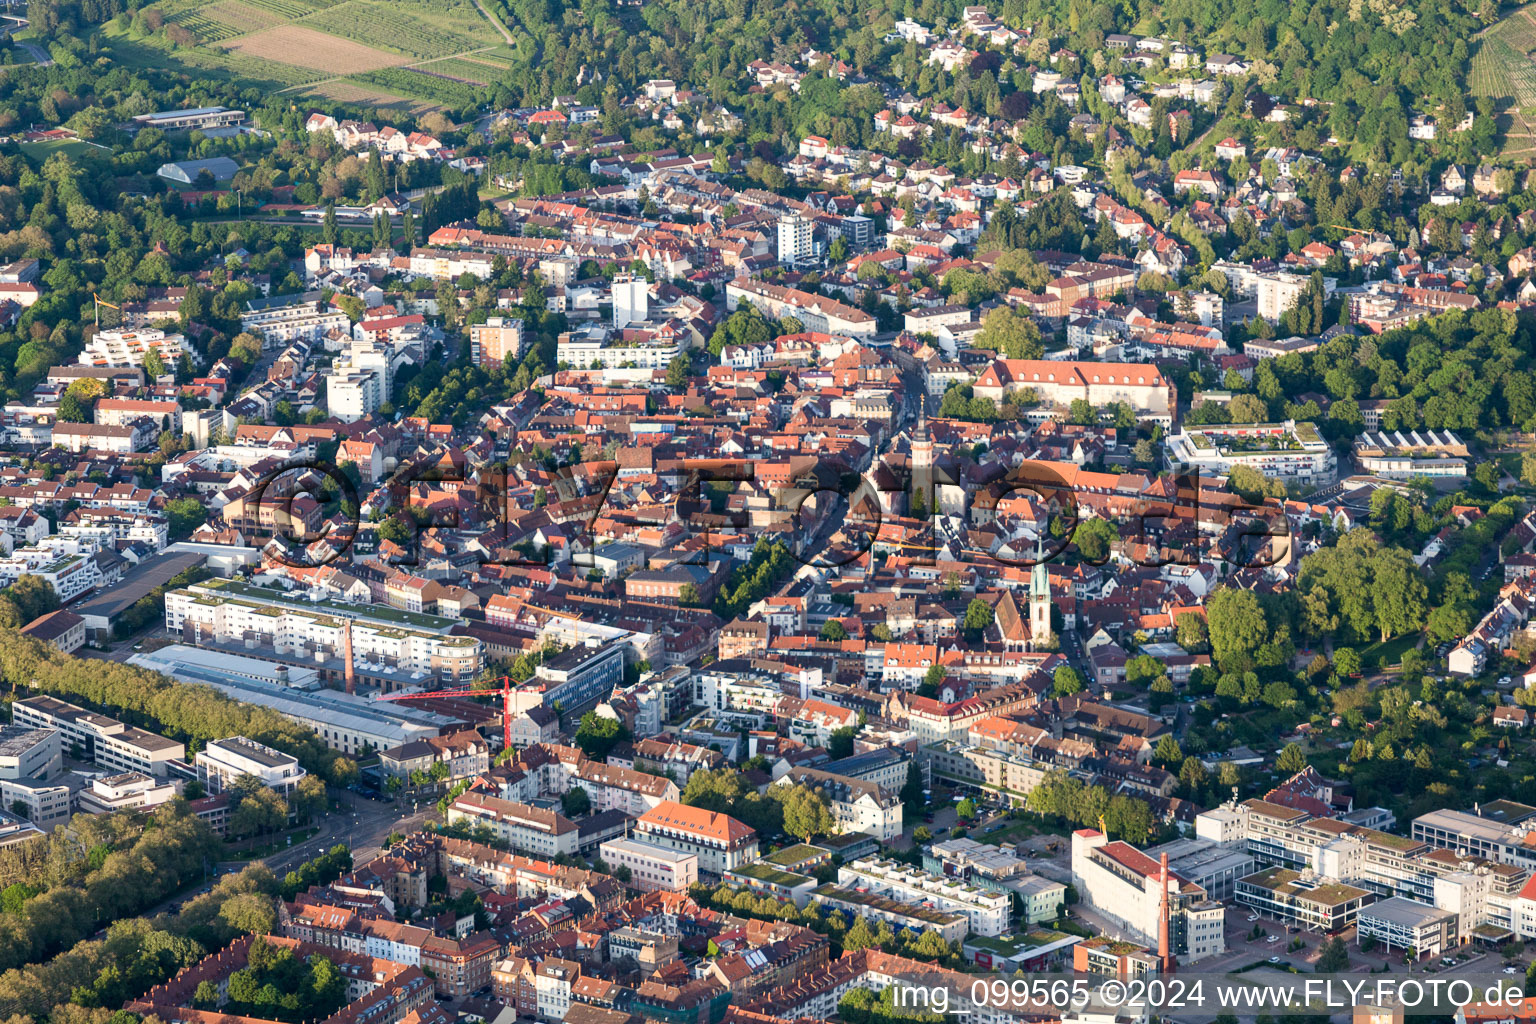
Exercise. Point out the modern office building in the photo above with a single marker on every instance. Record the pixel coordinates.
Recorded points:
(93, 737)
(1302, 898)
(579, 677)
(221, 762)
(1402, 925)
(128, 791)
(30, 753)
(194, 117)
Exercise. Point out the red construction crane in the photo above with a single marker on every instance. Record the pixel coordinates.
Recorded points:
(507, 688)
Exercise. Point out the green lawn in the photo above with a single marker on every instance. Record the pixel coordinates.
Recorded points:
(1388, 653)
(37, 152)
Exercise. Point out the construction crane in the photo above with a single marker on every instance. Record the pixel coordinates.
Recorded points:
(506, 689)
(99, 303)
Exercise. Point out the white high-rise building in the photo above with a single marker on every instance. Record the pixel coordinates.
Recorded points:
(795, 238)
(631, 300)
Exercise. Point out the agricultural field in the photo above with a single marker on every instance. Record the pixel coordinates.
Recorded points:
(1503, 70)
(345, 90)
(463, 69)
(294, 44)
(226, 18)
(416, 82)
(306, 47)
(406, 27)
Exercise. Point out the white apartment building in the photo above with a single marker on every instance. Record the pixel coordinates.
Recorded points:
(524, 828)
(392, 940)
(392, 649)
(612, 788)
(587, 349)
(302, 321)
(1277, 293)
(1124, 884)
(722, 690)
(720, 841)
(221, 762)
(552, 981)
(651, 868)
(986, 909)
(352, 395)
(69, 573)
(130, 348)
(797, 240)
(857, 804)
(1284, 451)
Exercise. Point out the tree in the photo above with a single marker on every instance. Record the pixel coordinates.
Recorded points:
(1095, 538)
(677, 372)
(834, 631)
(250, 913)
(1237, 625)
(1333, 956)
(1010, 333)
(922, 834)
(688, 596)
(1167, 752)
(1190, 632)
(1067, 680)
(978, 617)
(575, 802)
(965, 810)
(912, 791)
(840, 742)
(806, 814)
(598, 734)
(71, 410)
(154, 366)
(1292, 759)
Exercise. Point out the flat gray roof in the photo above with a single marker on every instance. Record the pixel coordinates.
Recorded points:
(1404, 912)
(110, 602)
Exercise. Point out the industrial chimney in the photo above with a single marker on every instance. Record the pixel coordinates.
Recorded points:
(1163, 954)
(351, 675)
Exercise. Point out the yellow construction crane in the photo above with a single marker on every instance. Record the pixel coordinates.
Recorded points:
(1103, 827)
(99, 304)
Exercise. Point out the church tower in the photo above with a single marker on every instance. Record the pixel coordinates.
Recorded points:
(922, 467)
(1039, 599)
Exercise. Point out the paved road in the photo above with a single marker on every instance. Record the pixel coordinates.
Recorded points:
(38, 54)
(361, 824)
